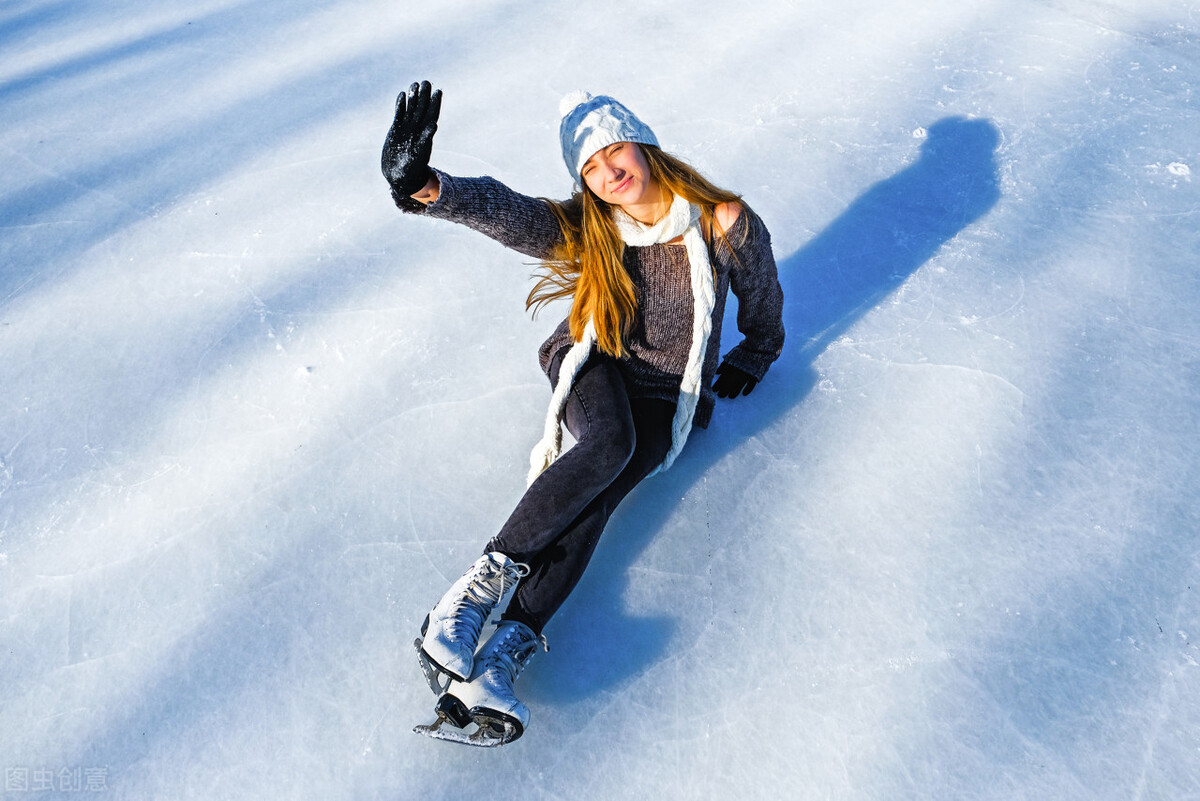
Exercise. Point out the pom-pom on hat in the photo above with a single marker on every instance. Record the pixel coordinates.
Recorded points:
(591, 123)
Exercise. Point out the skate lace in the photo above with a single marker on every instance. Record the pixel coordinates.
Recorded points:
(471, 611)
(513, 652)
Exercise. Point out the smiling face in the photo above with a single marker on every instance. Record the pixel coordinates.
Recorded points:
(618, 175)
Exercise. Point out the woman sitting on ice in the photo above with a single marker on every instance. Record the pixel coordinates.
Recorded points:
(646, 249)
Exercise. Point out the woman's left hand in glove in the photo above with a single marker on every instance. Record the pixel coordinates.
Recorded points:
(732, 382)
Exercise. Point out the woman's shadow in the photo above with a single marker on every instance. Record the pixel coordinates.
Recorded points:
(860, 258)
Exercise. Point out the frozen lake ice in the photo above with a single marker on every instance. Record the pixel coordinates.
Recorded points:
(253, 421)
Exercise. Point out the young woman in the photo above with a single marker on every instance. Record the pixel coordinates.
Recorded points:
(646, 250)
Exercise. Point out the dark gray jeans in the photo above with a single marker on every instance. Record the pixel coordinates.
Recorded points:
(557, 523)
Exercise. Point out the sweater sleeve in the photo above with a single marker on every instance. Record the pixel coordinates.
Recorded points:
(754, 280)
(523, 223)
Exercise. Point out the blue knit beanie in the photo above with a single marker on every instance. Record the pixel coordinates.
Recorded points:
(591, 123)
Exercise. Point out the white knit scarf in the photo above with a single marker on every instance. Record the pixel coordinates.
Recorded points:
(682, 218)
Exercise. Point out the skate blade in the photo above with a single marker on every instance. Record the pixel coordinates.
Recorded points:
(492, 734)
(476, 727)
(437, 679)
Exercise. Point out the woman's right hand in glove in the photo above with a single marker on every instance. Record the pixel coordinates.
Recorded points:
(409, 143)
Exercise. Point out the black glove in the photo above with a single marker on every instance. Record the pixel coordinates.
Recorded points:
(732, 382)
(410, 141)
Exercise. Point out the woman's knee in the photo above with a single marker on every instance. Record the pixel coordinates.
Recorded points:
(609, 442)
(599, 416)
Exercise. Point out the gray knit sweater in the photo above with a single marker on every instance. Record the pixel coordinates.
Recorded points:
(659, 340)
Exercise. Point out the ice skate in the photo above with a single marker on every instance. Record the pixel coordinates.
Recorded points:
(451, 631)
(485, 711)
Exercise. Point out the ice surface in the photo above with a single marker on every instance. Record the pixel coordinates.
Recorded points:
(253, 421)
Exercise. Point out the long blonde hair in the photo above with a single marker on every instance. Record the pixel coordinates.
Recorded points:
(587, 265)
